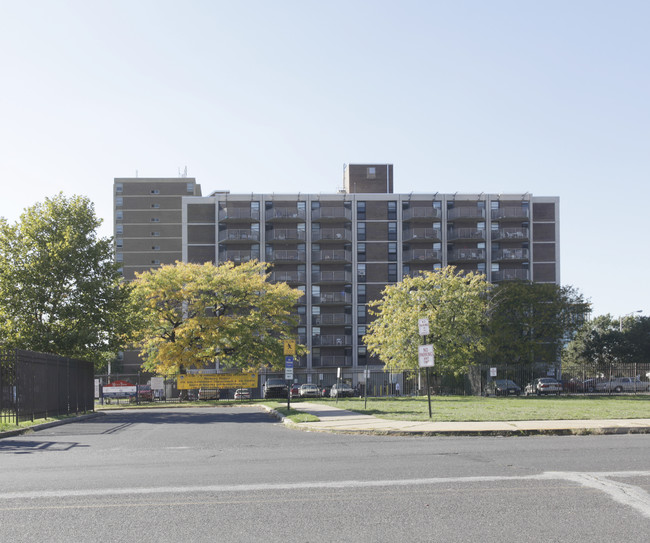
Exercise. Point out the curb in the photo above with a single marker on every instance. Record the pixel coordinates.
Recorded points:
(43, 426)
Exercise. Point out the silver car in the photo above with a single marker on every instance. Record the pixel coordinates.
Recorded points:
(309, 391)
(543, 385)
(623, 384)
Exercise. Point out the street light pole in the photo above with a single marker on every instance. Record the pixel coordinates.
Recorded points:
(620, 319)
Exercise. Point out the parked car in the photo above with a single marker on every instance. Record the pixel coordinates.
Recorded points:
(341, 390)
(295, 391)
(309, 391)
(275, 388)
(502, 387)
(590, 385)
(543, 385)
(623, 384)
(325, 393)
(145, 394)
(242, 394)
(573, 385)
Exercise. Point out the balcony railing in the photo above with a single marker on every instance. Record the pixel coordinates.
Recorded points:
(414, 213)
(325, 213)
(513, 212)
(466, 255)
(332, 298)
(331, 319)
(239, 213)
(286, 234)
(513, 233)
(465, 213)
(289, 255)
(422, 234)
(422, 255)
(510, 275)
(331, 361)
(239, 235)
(238, 256)
(331, 341)
(466, 233)
(332, 255)
(341, 276)
(333, 234)
(286, 213)
(511, 254)
(288, 276)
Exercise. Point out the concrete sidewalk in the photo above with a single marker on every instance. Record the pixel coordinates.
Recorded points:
(337, 420)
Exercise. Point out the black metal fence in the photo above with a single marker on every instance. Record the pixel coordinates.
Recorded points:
(38, 385)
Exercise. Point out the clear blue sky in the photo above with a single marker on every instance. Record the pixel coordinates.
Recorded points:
(548, 97)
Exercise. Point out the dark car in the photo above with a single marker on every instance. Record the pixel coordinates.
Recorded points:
(325, 392)
(573, 385)
(339, 390)
(502, 387)
(275, 388)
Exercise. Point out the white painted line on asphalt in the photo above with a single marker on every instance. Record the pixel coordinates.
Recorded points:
(624, 494)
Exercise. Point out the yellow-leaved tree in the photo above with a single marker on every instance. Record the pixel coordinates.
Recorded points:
(455, 305)
(192, 314)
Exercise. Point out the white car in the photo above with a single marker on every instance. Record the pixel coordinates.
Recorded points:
(623, 384)
(309, 391)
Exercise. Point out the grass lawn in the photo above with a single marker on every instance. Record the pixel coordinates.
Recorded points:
(476, 408)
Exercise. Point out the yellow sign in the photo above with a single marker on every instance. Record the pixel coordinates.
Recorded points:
(217, 380)
(289, 347)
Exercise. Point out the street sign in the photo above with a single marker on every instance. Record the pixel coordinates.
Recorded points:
(493, 372)
(288, 368)
(425, 356)
(423, 325)
(290, 347)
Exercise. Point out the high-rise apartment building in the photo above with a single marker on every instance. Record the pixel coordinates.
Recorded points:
(342, 249)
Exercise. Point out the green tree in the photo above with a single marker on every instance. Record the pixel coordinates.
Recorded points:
(531, 322)
(60, 290)
(455, 305)
(191, 314)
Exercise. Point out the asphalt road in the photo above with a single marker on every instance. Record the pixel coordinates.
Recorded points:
(236, 474)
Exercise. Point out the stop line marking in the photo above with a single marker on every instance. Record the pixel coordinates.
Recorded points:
(625, 494)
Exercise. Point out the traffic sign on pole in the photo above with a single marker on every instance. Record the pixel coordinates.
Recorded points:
(426, 357)
(423, 326)
(288, 367)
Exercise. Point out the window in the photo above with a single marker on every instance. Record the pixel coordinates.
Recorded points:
(392, 252)
(494, 267)
(361, 211)
(301, 206)
(361, 294)
(119, 242)
(494, 226)
(362, 353)
(371, 172)
(480, 225)
(406, 270)
(437, 246)
(119, 201)
(155, 191)
(481, 267)
(494, 204)
(361, 314)
(190, 188)
(155, 219)
(437, 204)
(155, 262)
(315, 205)
(392, 273)
(155, 248)
(361, 231)
(392, 210)
(155, 234)
(361, 273)
(480, 204)
(361, 252)
(392, 230)
(119, 229)
(155, 206)
(119, 215)
(480, 245)
(119, 257)
(119, 187)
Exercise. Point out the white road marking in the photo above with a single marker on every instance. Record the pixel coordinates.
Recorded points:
(631, 496)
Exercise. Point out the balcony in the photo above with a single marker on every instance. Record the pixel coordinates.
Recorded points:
(238, 214)
(288, 276)
(289, 255)
(331, 361)
(238, 235)
(238, 256)
(421, 234)
(331, 214)
(421, 213)
(331, 319)
(468, 234)
(465, 213)
(332, 234)
(331, 277)
(466, 255)
(331, 341)
(510, 275)
(511, 254)
(286, 234)
(422, 255)
(513, 233)
(288, 214)
(334, 298)
(332, 255)
(515, 213)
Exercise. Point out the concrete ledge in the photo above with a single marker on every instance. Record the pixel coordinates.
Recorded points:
(43, 426)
